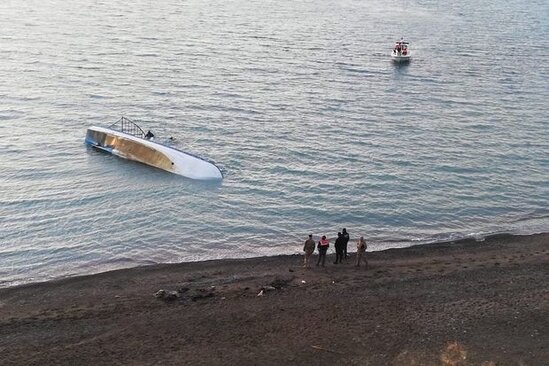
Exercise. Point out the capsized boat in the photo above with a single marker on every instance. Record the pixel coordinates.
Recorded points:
(126, 139)
(401, 51)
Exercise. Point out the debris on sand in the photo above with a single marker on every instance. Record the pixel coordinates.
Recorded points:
(166, 295)
(326, 349)
(277, 284)
(280, 282)
(185, 293)
(202, 293)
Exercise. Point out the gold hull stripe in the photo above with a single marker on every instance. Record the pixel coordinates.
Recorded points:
(131, 150)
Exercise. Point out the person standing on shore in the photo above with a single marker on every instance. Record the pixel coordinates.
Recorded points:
(360, 252)
(345, 242)
(323, 245)
(339, 246)
(308, 248)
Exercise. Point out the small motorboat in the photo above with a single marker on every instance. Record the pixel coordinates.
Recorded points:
(126, 139)
(401, 51)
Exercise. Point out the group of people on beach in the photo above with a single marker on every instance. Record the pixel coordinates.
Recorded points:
(341, 244)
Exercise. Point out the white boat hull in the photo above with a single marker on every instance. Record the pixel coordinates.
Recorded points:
(400, 58)
(151, 153)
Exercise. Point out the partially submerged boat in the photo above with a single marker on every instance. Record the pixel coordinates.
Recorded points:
(401, 51)
(126, 139)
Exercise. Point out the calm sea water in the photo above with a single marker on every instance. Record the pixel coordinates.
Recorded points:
(297, 101)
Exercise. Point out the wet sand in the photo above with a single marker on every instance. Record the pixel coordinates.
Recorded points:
(463, 303)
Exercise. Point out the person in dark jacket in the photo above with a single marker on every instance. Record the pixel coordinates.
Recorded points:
(323, 245)
(149, 135)
(345, 235)
(339, 246)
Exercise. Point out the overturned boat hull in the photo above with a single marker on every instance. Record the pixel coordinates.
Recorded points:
(151, 153)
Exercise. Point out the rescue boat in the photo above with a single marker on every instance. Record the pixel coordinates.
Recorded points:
(126, 139)
(401, 51)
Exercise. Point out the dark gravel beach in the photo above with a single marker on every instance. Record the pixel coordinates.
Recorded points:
(465, 303)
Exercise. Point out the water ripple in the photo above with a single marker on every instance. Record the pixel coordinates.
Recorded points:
(313, 126)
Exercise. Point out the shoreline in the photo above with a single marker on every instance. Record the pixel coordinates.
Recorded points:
(468, 301)
(352, 242)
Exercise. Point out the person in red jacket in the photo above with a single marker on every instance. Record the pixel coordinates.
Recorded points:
(323, 245)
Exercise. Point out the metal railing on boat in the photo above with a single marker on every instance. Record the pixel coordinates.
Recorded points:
(126, 125)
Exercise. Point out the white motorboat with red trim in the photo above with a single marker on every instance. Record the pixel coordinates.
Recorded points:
(127, 140)
(401, 51)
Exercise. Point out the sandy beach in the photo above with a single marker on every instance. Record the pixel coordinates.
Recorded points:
(463, 303)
